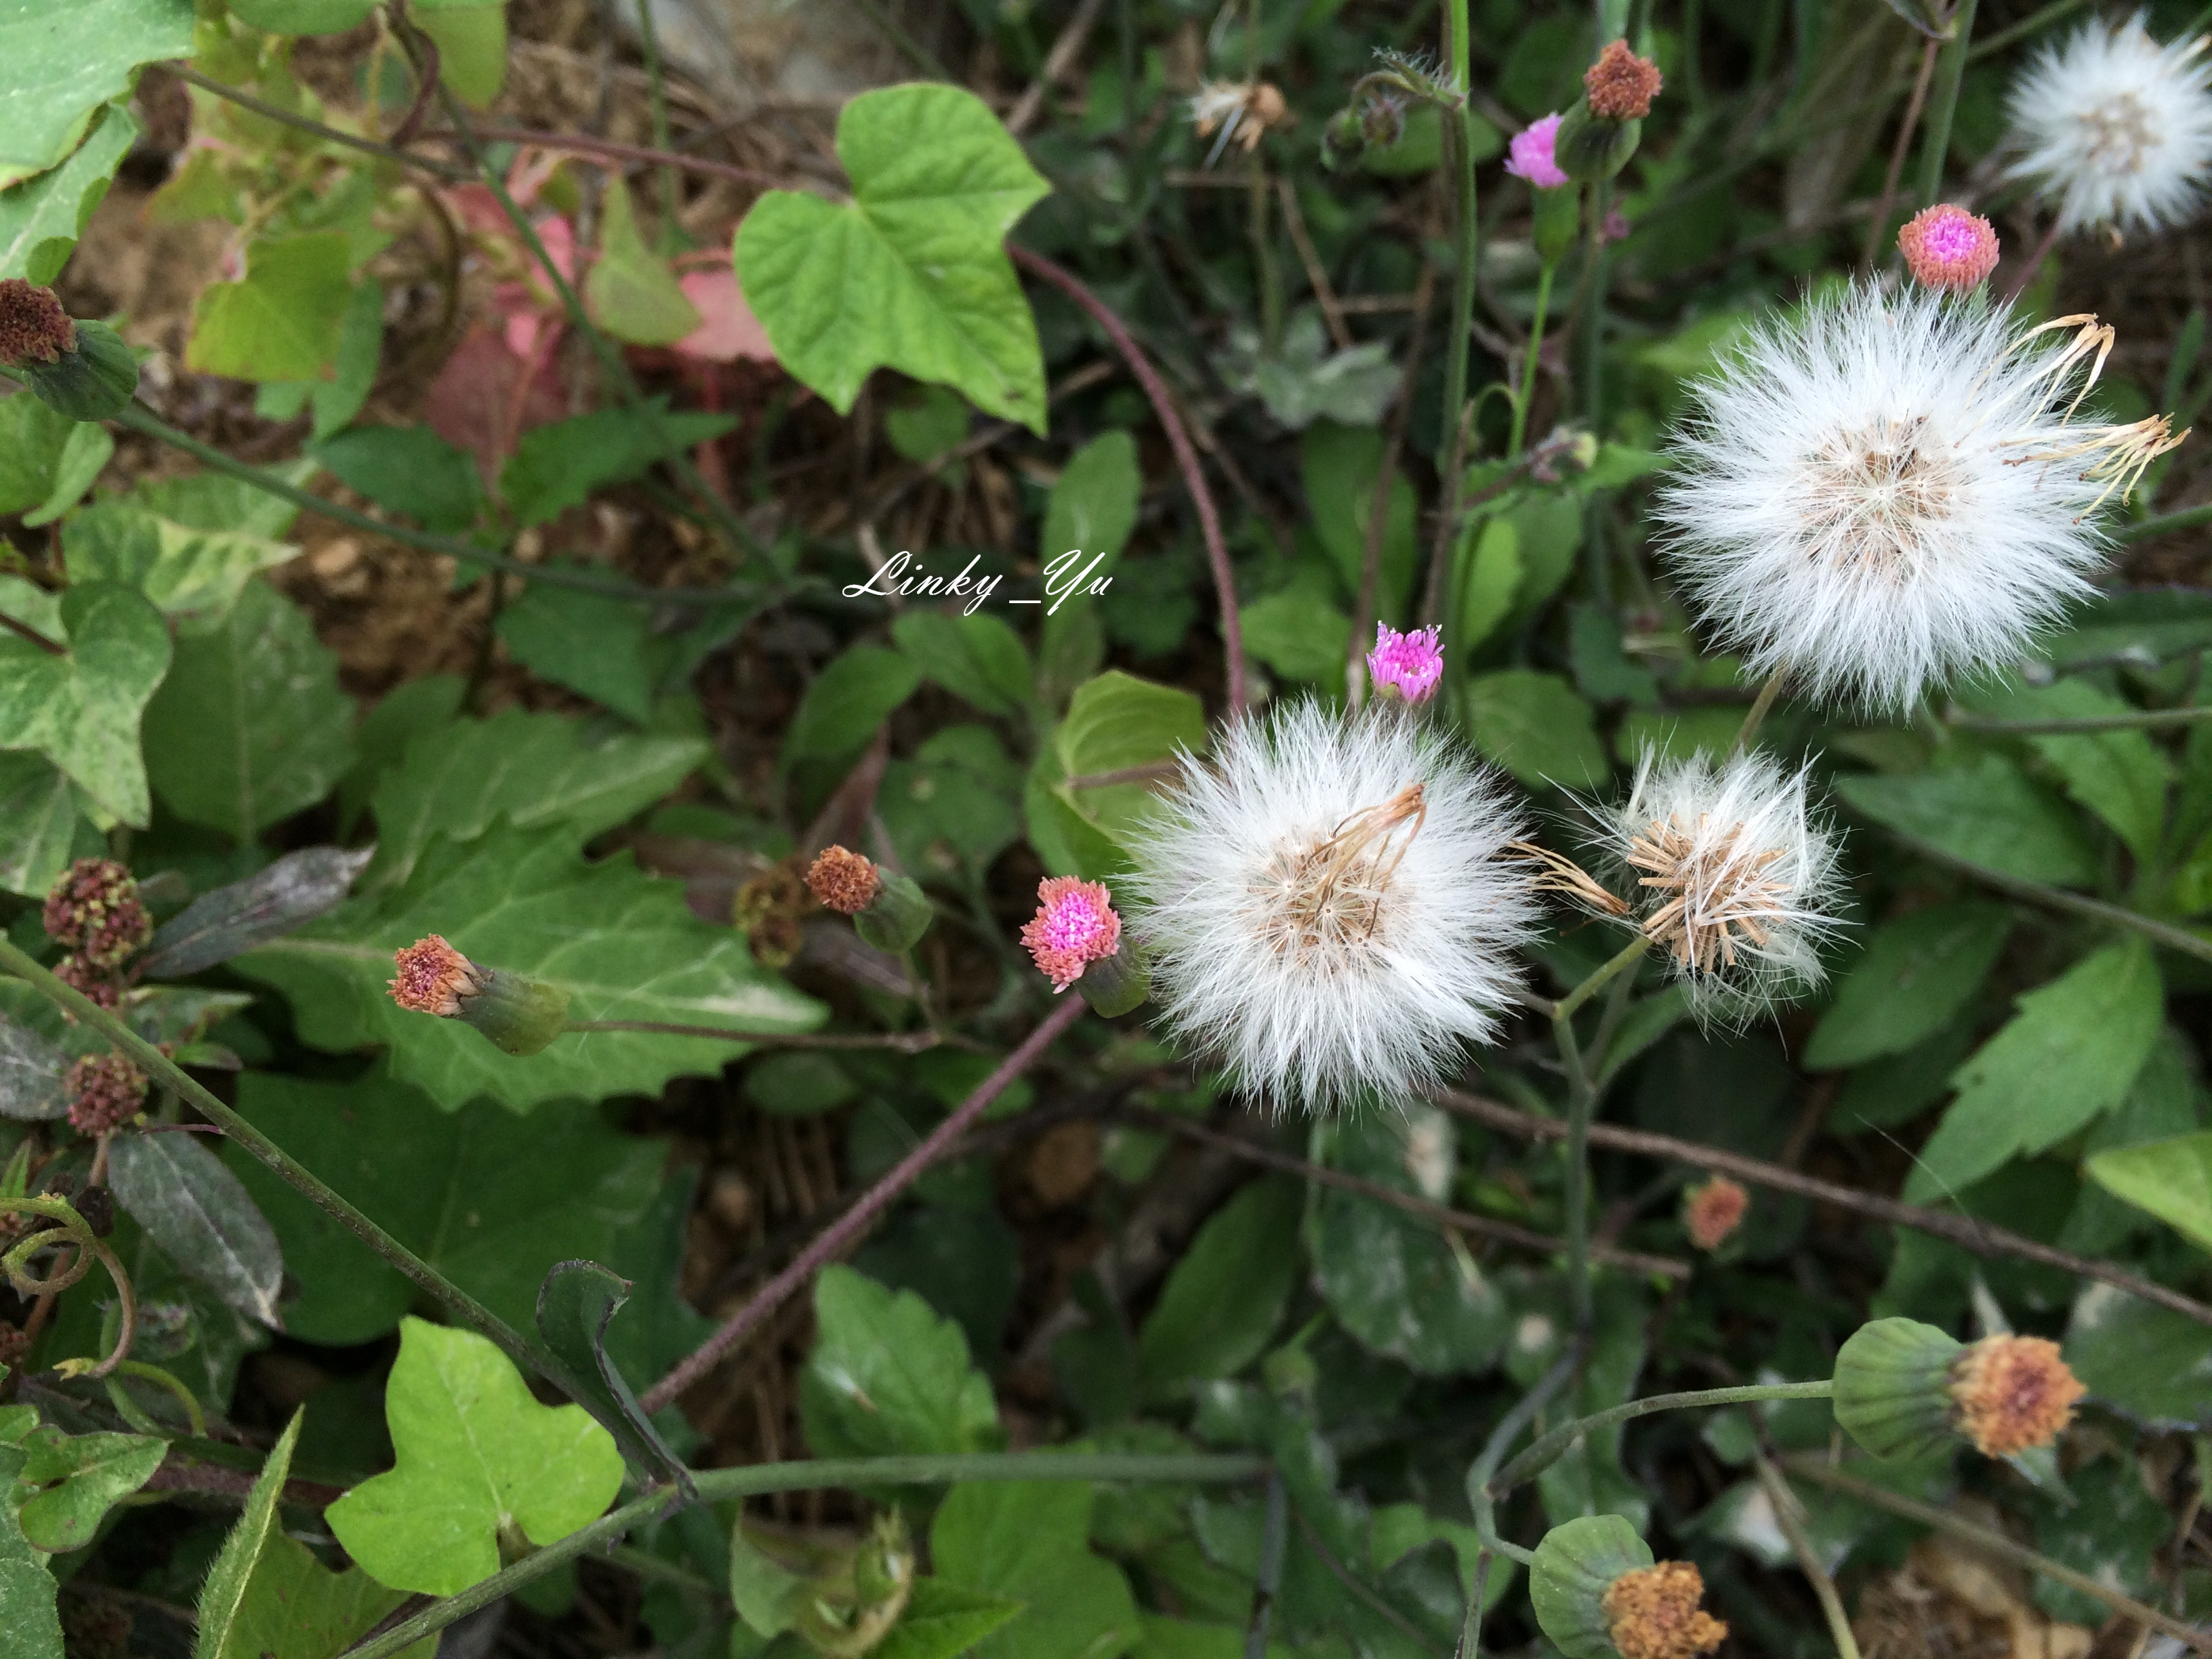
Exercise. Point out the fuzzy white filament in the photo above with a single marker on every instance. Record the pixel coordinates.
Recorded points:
(1733, 878)
(1885, 490)
(1325, 905)
(2116, 127)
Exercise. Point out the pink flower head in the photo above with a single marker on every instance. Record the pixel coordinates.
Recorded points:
(433, 977)
(1531, 157)
(1947, 247)
(1074, 927)
(1408, 665)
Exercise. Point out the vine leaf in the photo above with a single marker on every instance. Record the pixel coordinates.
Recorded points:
(282, 320)
(38, 823)
(41, 218)
(202, 1218)
(912, 273)
(81, 711)
(476, 1456)
(269, 904)
(29, 1599)
(59, 64)
(68, 1482)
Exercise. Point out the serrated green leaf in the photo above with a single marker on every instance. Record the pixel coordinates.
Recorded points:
(1918, 972)
(632, 291)
(409, 469)
(848, 700)
(944, 1621)
(82, 711)
(202, 1218)
(251, 725)
(977, 657)
(1225, 1297)
(38, 823)
(911, 274)
(2121, 776)
(592, 644)
(1029, 1542)
(1537, 728)
(1989, 814)
(489, 1200)
(474, 1454)
(1299, 634)
(42, 217)
(282, 320)
(2151, 1363)
(59, 64)
(69, 1482)
(888, 1375)
(2067, 1056)
(533, 770)
(623, 945)
(558, 465)
(2172, 1179)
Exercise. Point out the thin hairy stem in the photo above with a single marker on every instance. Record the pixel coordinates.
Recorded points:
(1526, 393)
(656, 81)
(906, 1042)
(1600, 977)
(1896, 169)
(1817, 1470)
(1548, 1448)
(2133, 720)
(722, 1485)
(1761, 705)
(1943, 103)
(1582, 1105)
(2142, 530)
(841, 1234)
(328, 134)
(1785, 1506)
(1484, 1469)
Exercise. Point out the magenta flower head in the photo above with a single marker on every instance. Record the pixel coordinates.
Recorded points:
(1074, 927)
(1408, 665)
(1948, 247)
(1531, 154)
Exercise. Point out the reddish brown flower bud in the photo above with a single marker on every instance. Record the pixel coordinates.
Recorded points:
(1713, 1210)
(95, 911)
(88, 982)
(433, 977)
(844, 881)
(14, 1345)
(109, 1090)
(2012, 1393)
(34, 327)
(1621, 85)
(1652, 1612)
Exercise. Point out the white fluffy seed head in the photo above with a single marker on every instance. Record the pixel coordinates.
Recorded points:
(1327, 905)
(1731, 873)
(2115, 127)
(1884, 490)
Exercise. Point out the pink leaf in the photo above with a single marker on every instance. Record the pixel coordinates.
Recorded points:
(727, 329)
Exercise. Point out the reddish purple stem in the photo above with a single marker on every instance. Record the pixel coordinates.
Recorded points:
(1209, 521)
(839, 1234)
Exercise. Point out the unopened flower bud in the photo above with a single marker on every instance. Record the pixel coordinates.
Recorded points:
(1620, 86)
(33, 326)
(108, 1092)
(1906, 1389)
(94, 910)
(843, 880)
(1556, 222)
(96, 988)
(520, 1016)
(94, 379)
(1408, 665)
(888, 910)
(1946, 246)
(851, 1604)
(1599, 1594)
(1712, 1211)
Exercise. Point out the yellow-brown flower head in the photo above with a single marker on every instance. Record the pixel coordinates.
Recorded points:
(1713, 1210)
(843, 880)
(1621, 85)
(433, 977)
(109, 1091)
(2012, 1393)
(95, 911)
(1652, 1612)
(33, 326)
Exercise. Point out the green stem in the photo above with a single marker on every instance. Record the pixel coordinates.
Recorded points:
(1943, 103)
(649, 33)
(1547, 1450)
(1785, 1505)
(2142, 530)
(1528, 389)
(1761, 705)
(1816, 1469)
(2050, 14)
(139, 1368)
(1582, 1102)
(1600, 977)
(298, 123)
(1599, 268)
(158, 1065)
(1459, 156)
(720, 1486)
(1480, 1497)
(2133, 720)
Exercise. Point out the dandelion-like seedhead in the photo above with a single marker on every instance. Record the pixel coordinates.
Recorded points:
(1733, 878)
(2117, 127)
(1325, 905)
(1886, 491)
(1242, 110)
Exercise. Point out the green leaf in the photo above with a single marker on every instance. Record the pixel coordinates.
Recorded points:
(1338, 465)
(251, 726)
(1537, 728)
(848, 700)
(38, 823)
(68, 1483)
(408, 470)
(1298, 634)
(2121, 776)
(32, 437)
(1092, 507)
(592, 644)
(474, 1455)
(302, 17)
(959, 795)
(1393, 1281)
(31, 1073)
(944, 1621)
(489, 1200)
(1029, 1542)
(888, 1377)
(471, 40)
(2153, 1365)
(202, 1218)
(1917, 974)
(1491, 576)
(977, 657)
(85, 455)
(533, 770)
(81, 711)
(186, 571)
(297, 1608)
(1118, 723)
(268, 904)
(1224, 1297)
(2172, 1179)
(29, 1610)
(623, 945)
(223, 1593)
(557, 467)
(631, 291)
(2067, 1056)
(335, 400)
(282, 320)
(2111, 1532)
(764, 1592)
(911, 274)
(42, 217)
(59, 64)
(575, 1306)
(1988, 814)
